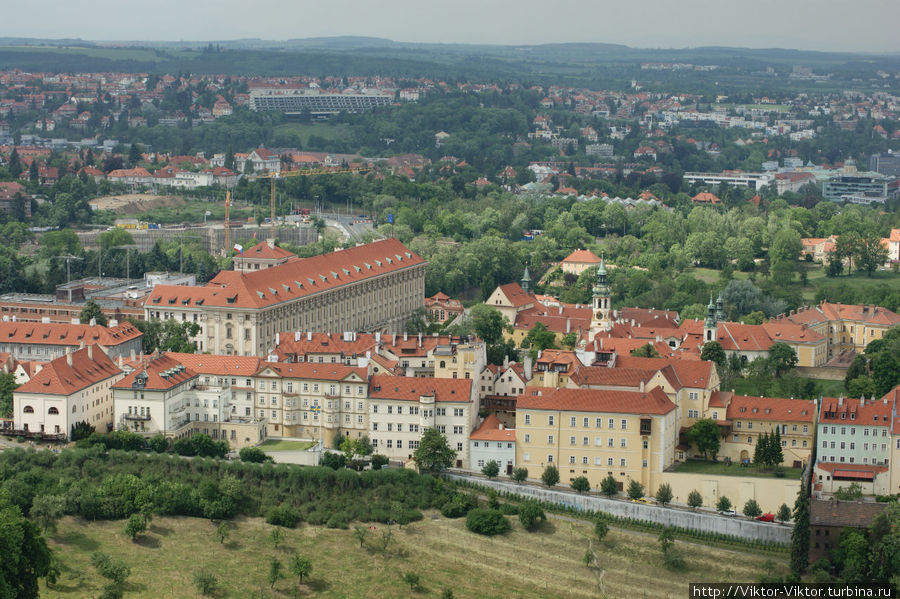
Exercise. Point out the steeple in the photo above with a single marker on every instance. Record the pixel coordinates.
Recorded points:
(526, 280)
(600, 320)
(710, 332)
(720, 312)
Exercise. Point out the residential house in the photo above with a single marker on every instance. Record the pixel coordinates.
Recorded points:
(492, 440)
(750, 417)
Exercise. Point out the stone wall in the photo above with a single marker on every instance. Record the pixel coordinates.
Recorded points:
(769, 493)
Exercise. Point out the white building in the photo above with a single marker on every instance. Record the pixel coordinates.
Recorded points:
(493, 441)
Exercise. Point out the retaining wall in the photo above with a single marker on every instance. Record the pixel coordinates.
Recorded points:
(708, 522)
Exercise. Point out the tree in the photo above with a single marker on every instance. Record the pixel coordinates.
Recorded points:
(277, 536)
(752, 509)
(695, 499)
(46, 510)
(300, 566)
(413, 580)
(609, 486)
(645, 351)
(664, 494)
(713, 352)
(539, 338)
(870, 253)
(550, 476)
(489, 323)
(275, 573)
(581, 485)
(252, 454)
(530, 512)
(635, 490)
(782, 357)
(92, 311)
(774, 452)
(361, 533)
(784, 513)
(117, 572)
(601, 529)
(800, 533)
(134, 155)
(759, 452)
(158, 443)
(519, 474)
(434, 453)
(723, 504)
(704, 434)
(135, 525)
(491, 469)
(81, 430)
(205, 581)
(222, 532)
(486, 522)
(667, 538)
(26, 556)
(7, 386)
(759, 374)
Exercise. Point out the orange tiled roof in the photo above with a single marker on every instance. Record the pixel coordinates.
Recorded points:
(306, 370)
(654, 401)
(516, 295)
(264, 251)
(582, 257)
(218, 364)
(89, 366)
(613, 377)
(771, 408)
(856, 411)
(323, 343)
(291, 280)
(411, 389)
(162, 372)
(493, 430)
(51, 333)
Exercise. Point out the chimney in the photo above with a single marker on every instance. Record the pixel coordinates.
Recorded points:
(862, 401)
(642, 385)
(81, 345)
(91, 352)
(560, 310)
(405, 336)
(568, 325)
(841, 400)
(309, 335)
(131, 355)
(277, 339)
(394, 339)
(112, 323)
(420, 339)
(529, 367)
(93, 322)
(506, 365)
(270, 243)
(378, 337)
(501, 426)
(297, 335)
(73, 321)
(45, 320)
(69, 356)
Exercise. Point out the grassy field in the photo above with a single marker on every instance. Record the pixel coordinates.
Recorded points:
(826, 388)
(305, 130)
(701, 467)
(546, 563)
(711, 275)
(192, 212)
(276, 445)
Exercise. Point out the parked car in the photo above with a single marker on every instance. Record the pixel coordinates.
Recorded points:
(730, 513)
(642, 500)
(766, 518)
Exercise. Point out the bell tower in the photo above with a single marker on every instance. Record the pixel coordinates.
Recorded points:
(525, 282)
(600, 320)
(710, 332)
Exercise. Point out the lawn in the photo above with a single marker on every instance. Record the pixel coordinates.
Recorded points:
(276, 445)
(192, 212)
(711, 275)
(701, 467)
(826, 388)
(305, 130)
(546, 563)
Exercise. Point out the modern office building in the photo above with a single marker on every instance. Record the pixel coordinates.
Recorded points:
(315, 101)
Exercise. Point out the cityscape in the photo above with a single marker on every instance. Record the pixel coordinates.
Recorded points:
(348, 317)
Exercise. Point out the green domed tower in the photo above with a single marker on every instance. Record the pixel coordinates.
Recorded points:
(600, 320)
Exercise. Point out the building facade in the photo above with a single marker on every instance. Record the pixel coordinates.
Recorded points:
(48, 341)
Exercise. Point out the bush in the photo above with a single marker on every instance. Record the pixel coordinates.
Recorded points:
(635, 490)
(550, 476)
(508, 509)
(581, 485)
(724, 504)
(379, 461)
(529, 514)
(695, 499)
(205, 582)
(253, 454)
(337, 520)
(458, 506)
(333, 460)
(601, 529)
(135, 525)
(664, 494)
(609, 486)
(752, 509)
(413, 580)
(283, 515)
(491, 469)
(158, 443)
(673, 559)
(519, 474)
(486, 522)
(184, 447)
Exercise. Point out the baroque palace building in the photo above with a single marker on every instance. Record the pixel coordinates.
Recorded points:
(373, 287)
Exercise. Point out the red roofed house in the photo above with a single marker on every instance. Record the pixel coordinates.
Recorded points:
(512, 298)
(704, 197)
(492, 441)
(377, 286)
(892, 243)
(846, 327)
(47, 341)
(638, 432)
(401, 408)
(73, 388)
(750, 417)
(265, 161)
(440, 307)
(264, 254)
(579, 261)
(8, 193)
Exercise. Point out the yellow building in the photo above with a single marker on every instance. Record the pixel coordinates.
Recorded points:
(630, 435)
(751, 417)
(845, 327)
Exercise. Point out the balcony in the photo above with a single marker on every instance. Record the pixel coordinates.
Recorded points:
(136, 417)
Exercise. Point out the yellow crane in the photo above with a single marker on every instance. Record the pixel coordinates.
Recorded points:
(273, 177)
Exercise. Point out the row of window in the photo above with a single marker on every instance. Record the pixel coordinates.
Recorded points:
(842, 445)
(487, 444)
(585, 441)
(853, 431)
(850, 460)
(411, 428)
(598, 461)
(585, 422)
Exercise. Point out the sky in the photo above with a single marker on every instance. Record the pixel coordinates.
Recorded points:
(839, 25)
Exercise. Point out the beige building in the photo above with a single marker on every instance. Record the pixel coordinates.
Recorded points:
(750, 417)
(401, 408)
(261, 256)
(845, 327)
(73, 388)
(372, 287)
(628, 434)
(579, 261)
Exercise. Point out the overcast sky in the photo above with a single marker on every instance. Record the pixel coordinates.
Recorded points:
(845, 25)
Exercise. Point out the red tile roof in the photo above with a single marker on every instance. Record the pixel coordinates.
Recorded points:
(88, 367)
(305, 370)
(411, 389)
(51, 333)
(654, 401)
(493, 430)
(217, 364)
(291, 280)
(612, 377)
(582, 257)
(291, 344)
(771, 408)
(162, 372)
(516, 295)
(691, 373)
(857, 411)
(264, 251)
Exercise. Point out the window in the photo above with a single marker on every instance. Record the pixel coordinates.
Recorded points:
(572, 421)
(612, 423)
(622, 462)
(584, 461)
(644, 464)
(526, 457)
(459, 447)
(549, 439)
(599, 423)
(585, 422)
(374, 409)
(550, 420)
(622, 443)
(572, 440)
(528, 439)
(457, 430)
(374, 426)
(571, 459)
(609, 461)
(585, 441)
(550, 459)
(610, 442)
(646, 444)
(527, 418)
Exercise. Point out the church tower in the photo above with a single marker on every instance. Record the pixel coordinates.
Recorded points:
(710, 333)
(720, 310)
(525, 282)
(600, 320)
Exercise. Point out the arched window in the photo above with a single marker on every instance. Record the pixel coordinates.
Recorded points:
(53, 410)
(28, 410)
(443, 364)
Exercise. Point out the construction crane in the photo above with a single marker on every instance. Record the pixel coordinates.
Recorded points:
(227, 221)
(272, 177)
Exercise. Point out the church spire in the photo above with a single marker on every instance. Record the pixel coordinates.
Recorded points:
(720, 312)
(526, 280)
(710, 332)
(600, 321)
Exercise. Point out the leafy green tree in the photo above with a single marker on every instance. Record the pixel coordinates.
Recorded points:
(81, 430)
(92, 311)
(723, 504)
(519, 474)
(491, 469)
(782, 357)
(275, 572)
(852, 557)
(7, 386)
(759, 452)
(486, 522)
(276, 536)
(158, 444)
(46, 510)
(664, 494)
(752, 509)
(529, 514)
(774, 452)
(759, 374)
(434, 453)
(539, 338)
(713, 352)
(609, 486)
(135, 525)
(252, 454)
(704, 434)
(361, 533)
(550, 476)
(869, 252)
(800, 533)
(635, 490)
(222, 532)
(667, 538)
(206, 582)
(489, 323)
(645, 351)
(581, 485)
(695, 499)
(300, 566)
(784, 513)
(413, 580)
(851, 493)
(117, 572)
(601, 529)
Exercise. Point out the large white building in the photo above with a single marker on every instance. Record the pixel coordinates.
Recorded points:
(73, 388)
